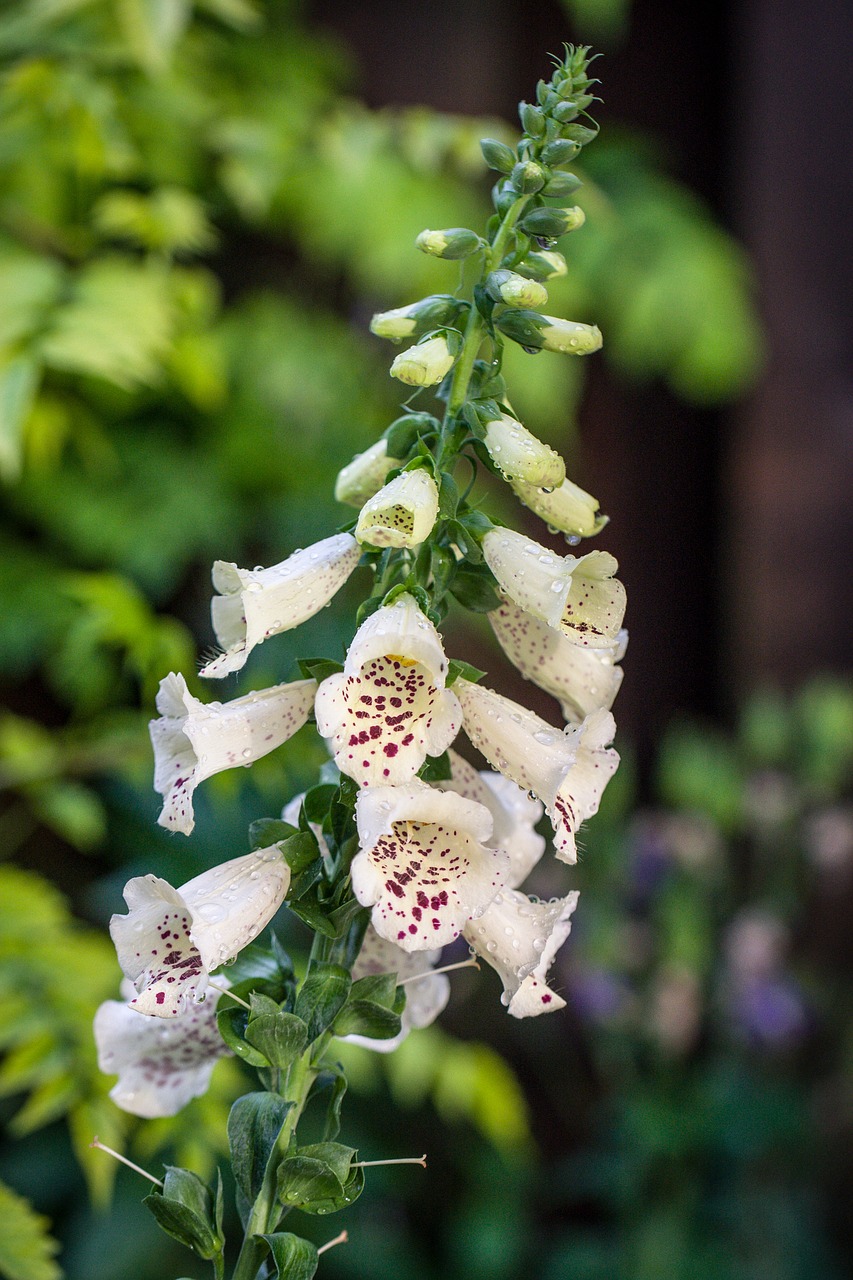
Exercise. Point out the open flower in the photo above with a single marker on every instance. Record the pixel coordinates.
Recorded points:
(514, 815)
(192, 740)
(519, 938)
(255, 604)
(388, 709)
(567, 770)
(568, 508)
(583, 680)
(402, 513)
(425, 998)
(160, 1066)
(518, 454)
(172, 939)
(426, 363)
(365, 475)
(423, 864)
(577, 594)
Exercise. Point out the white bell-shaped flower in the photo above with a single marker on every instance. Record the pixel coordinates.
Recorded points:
(423, 865)
(254, 604)
(520, 456)
(567, 770)
(514, 814)
(388, 709)
(567, 509)
(161, 1066)
(577, 594)
(427, 993)
(365, 475)
(402, 513)
(570, 336)
(426, 363)
(519, 938)
(192, 740)
(583, 680)
(172, 939)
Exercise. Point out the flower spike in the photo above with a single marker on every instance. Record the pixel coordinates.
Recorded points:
(193, 740)
(255, 604)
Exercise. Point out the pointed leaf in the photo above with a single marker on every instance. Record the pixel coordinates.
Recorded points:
(295, 1258)
(254, 1125)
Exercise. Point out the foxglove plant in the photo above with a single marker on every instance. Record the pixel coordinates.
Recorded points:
(403, 845)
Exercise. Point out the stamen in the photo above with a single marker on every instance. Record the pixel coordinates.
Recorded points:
(471, 963)
(330, 1244)
(371, 1164)
(225, 992)
(96, 1142)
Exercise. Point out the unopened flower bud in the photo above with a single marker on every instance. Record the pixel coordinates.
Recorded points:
(516, 290)
(560, 151)
(365, 475)
(545, 265)
(532, 119)
(519, 456)
(454, 242)
(527, 177)
(548, 222)
(497, 155)
(560, 185)
(530, 329)
(426, 363)
(417, 318)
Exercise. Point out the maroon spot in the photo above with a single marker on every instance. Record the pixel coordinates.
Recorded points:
(160, 997)
(390, 748)
(394, 888)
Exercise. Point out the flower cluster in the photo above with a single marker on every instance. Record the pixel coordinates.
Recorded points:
(411, 847)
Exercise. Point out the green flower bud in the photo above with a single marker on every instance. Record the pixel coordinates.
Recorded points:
(516, 290)
(503, 198)
(497, 155)
(536, 332)
(548, 222)
(532, 119)
(545, 265)
(454, 242)
(561, 184)
(560, 151)
(418, 318)
(428, 362)
(565, 111)
(527, 177)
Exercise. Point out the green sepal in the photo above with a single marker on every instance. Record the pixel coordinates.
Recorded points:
(265, 832)
(332, 1078)
(314, 916)
(254, 1125)
(456, 668)
(472, 418)
(366, 608)
(403, 434)
(474, 587)
(497, 155)
(319, 1178)
(304, 882)
(319, 668)
(317, 801)
(442, 567)
(281, 1037)
(185, 1209)
(344, 915)
(294, 1258)
(232, 1027)
(580, 133)
(436, 768)
(322, 996)
(448, 496)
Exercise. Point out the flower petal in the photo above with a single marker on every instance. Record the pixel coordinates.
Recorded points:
(583, 679)
(388, 710)
(402, 513)
(194, 740)
(423, 865)
(255, 604)
(160, 1065)
(513, 811)
(519, 938)
(233, 902)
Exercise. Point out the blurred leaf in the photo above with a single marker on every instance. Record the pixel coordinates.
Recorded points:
(26, 1249)
(18, 383)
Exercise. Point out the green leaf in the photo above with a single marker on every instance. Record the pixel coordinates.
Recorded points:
(314, 916)
(318, 799)
(301, 851)
(319, 668)
(254, 1125)
(317, 1179)
(456, 669)
(18, 383)
(322, 995)
(343, 916)
(474, 587)
(365, 1018)
(448, 496)
(265, 832)
(295, 1258)
(232, 1027)
(185, 1210)
(281, 1037)
(331, 1078)
(436, 768)
(26, 1248)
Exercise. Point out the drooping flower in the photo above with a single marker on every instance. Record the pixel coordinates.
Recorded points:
(193, 740)
(520, 456)
(161, 1066)
(171, 940)
(568, 771)
(255, 604)
(567, 508)
(365, 475)
(426, 363)
(402, 513)
(577, 594)
(514, 815)
(425, 998)
(582, 679)
(519, 938)
(388, 709)
(423, 865)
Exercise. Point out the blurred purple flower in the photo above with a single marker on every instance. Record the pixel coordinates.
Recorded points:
(770, 1013)
(598, 995)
